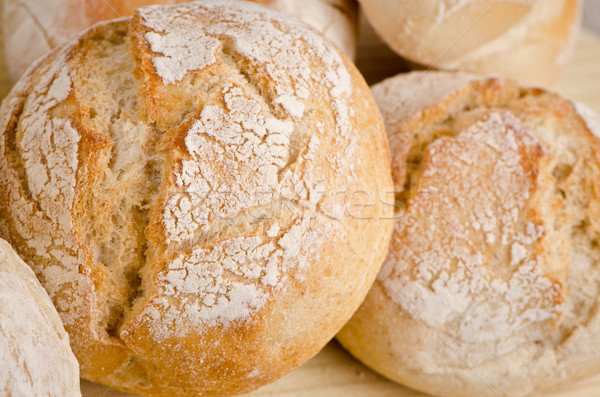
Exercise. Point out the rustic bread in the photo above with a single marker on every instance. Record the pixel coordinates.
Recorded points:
(33, 27)
(35, 357)
(184, 183)
(491, 285)
(526, 40)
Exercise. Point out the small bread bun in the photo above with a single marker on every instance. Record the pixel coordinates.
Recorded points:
(198, 188)
(526, 40)
(34, 27)
(35, 357)
(491, 285)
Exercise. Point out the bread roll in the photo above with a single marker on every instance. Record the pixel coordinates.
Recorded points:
(35, 357)
(491, 285)
(198, 188)
(526, 40)
(34, 27)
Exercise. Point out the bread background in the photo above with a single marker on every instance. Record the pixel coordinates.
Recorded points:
(529, 41)
(95, 222)
(591, 16)
(483, 339)
(35, 356)
(333, 370)
(32, 28)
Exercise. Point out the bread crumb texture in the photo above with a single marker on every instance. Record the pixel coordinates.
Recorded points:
(491, 283)
(181, 182)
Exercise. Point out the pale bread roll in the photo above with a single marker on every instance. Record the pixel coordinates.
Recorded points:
(200, 190)
(34, 27)
(35, 357)
(526, 40)
(491, 286)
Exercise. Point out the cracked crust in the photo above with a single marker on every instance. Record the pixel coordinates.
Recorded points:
(190, 216)
(33, 28)
(491, 283)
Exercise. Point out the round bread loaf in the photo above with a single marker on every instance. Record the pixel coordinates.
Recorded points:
(491, 286)
(34, 27)
(526, 40)
(35, 357)
(198, 188)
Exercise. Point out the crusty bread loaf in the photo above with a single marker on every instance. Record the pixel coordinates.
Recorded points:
(34, 27)
(491, 286)
(198, 190)
(35, 357)
(526, 40)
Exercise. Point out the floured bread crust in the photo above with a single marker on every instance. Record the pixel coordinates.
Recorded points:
(32, 27)
(526, 40)
(35, 356)
(189, 186)
(491, 283)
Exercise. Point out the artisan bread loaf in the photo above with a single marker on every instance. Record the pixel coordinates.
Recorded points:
(491, 286)
(198, 188)
(35, 357)
(526, 40)
(34, 27)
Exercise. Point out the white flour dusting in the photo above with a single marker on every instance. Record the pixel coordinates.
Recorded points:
(260, 35)
(442, 270)
(49, 150)
(240, 152)
(230, 279)
(236, 137)
(239, 156)
(192, 53)
(232, 138)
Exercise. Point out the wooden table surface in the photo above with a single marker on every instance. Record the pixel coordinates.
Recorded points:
(333, 372)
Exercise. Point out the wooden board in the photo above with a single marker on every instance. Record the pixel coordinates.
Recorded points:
(333, 372)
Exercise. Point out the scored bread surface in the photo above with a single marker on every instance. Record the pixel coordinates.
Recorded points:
(31, 28)
(491, 283)
(183, 183)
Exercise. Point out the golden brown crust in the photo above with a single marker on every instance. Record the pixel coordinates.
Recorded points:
(488, 287)
(32, 28)
(191, 211)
